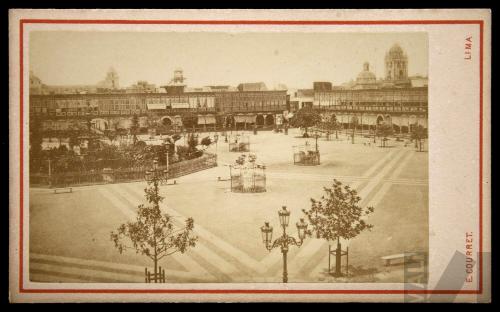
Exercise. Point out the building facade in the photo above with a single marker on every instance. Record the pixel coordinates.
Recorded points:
(301, 98)
(247, 108)
(115, 110)
(397, 99)
(175, 109)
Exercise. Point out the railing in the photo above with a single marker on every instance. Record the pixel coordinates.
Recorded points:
(182, 168)
(307, 158)
(373, 108)
(256, 109)
(125, 112)
(103, 176)
(248, 180)
(239, 147)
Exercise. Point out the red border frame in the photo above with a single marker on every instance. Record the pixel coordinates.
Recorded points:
(252, 22)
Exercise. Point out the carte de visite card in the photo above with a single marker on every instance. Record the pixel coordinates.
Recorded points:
(250, 155)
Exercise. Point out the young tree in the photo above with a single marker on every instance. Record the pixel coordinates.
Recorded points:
(134, 127)
(338, 215)
(154, 234)
(355, 123)
(206, 141)
(419, 134)
(334, 125)
(192, 142)
(384, 130)
(305, 118)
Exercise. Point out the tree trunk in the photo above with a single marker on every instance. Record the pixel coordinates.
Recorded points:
(157, 205)
(338, 259)
(156, 267)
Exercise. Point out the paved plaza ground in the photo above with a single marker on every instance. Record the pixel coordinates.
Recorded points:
(70, 232)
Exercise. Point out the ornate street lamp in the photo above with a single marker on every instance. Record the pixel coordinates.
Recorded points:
(284, 241)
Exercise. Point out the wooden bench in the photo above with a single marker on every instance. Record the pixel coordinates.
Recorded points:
(404, 256)
(63, 190)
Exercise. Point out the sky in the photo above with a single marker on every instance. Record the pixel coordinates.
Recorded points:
(215, 58)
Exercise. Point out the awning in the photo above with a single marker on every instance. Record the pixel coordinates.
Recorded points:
(206, 119)
(180, 105)
(157, 106)
(244, 119)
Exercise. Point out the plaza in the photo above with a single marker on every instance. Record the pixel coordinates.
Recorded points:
(71, 243)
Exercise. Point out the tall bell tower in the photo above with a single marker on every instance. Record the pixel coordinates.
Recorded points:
(396, 64)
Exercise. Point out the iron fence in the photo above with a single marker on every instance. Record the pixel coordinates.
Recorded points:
(248, 180)
(108, 175)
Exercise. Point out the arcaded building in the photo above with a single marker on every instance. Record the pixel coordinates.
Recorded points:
(177, 107)
(396, 99)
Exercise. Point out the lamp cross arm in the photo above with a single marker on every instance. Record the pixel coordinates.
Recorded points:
(284, 241)
(292, 241)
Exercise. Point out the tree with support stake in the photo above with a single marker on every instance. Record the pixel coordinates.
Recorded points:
(334, 125)
(419, 134)
(343, 253)
(153, 233)
(354, 125)
(338, 215)
(384, 130)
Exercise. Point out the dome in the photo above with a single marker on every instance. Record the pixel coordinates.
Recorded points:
(396, 49)
(395, 52)
(366, 76)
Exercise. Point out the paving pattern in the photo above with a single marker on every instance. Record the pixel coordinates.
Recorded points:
(216, 258)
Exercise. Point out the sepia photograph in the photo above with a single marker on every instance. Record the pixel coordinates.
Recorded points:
(228, 157)
(249, 155)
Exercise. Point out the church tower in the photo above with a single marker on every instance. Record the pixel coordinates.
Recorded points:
(396, 64)
(111, 81)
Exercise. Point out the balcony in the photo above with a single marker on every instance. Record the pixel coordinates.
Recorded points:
(374, 109)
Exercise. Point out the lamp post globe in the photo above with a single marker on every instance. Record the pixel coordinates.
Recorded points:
(302, 229)
(284, 216)
(267, 234)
